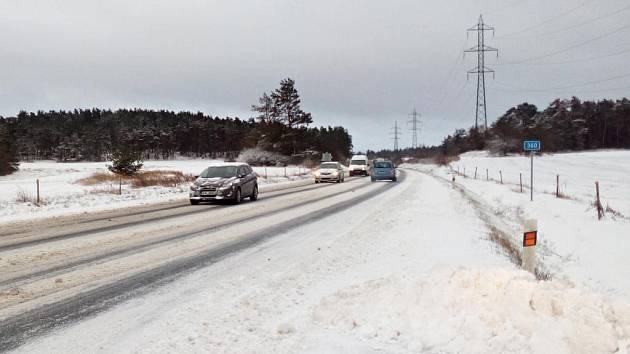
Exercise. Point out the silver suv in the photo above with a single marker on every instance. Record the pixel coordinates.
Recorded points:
(225, 182)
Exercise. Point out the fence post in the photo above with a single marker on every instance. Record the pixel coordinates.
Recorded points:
(600, 209)
(38, 191)
(501, 176)
(266, 176)
(557, 186)
(487, 175)
(120, 185)
(520, 178)
(464, 172)
(285, 171)
(475, 172)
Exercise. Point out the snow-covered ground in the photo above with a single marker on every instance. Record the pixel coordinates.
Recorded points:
(578, 173)
(574, 244)
(62, 194)
(411, 270)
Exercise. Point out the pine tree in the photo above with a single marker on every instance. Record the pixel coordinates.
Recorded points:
(8, 158)
(286, 109)
(265, 109)
(286, 102)
(125, 162)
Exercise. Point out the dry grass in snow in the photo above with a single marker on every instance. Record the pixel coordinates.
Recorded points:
(160, 178)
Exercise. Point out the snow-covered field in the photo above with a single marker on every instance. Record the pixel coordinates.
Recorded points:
(62, 195)
(578, 173)
(574, 244)
(411, 270)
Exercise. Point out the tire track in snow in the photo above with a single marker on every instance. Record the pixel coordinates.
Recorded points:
(119, 253)
(81, 233)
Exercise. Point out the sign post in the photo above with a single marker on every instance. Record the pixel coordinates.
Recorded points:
(530, 239)
(531, 146)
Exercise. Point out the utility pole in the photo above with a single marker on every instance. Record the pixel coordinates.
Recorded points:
(415, 127)
(395, 133)
(481, 48)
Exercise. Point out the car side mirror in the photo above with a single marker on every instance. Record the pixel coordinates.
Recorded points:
(196, 176)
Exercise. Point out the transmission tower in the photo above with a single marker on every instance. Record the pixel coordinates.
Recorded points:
(415, 127)
(481, 48)
(395, 133)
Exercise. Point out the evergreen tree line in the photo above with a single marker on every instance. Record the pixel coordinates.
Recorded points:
(92, 135)
(565, 125)
(8, 153)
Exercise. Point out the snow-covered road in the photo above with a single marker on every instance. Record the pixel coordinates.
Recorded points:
(406, 268)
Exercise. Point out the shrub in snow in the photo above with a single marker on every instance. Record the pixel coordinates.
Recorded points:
(125, 162)
(259, 157)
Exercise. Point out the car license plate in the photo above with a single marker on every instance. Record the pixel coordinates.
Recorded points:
(208, 193)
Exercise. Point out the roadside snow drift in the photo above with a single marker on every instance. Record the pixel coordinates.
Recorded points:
(491, 310)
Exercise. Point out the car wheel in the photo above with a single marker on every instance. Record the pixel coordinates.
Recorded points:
(394, 179)
(254, 196)
(316, 181)
(338, 179)
(194, 202)
(238, 198)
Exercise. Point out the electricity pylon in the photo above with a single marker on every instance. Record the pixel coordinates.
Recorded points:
(395, 133)
(415, 127)
(481, 48)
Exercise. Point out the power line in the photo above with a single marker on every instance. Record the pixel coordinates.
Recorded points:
(481, 48)
(549, 19)
(415, 127)
(558, 88)
(611, 89)
(617, 30)
(565, 29)
(579, 60)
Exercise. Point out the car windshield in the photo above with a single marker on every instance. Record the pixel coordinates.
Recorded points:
(383, 165)
(328, 166)
(357, 162)
(219, 171)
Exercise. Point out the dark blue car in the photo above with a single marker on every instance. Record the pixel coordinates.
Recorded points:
(383, 170)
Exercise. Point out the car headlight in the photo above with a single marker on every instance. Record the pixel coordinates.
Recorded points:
(335, 173)
(226, 186)
(316, 173)
(193, 187)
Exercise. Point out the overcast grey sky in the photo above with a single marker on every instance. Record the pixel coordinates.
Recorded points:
(361, 64)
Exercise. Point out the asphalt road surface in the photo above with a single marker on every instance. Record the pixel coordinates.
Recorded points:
(62, 270)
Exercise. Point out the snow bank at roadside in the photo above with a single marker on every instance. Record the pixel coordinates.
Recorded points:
(483, 310)
(573, 243)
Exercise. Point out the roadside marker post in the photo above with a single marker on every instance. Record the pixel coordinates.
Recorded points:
(531, 146)
(38, 192)
(530, 239)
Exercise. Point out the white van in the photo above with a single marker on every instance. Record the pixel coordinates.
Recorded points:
(359, 165)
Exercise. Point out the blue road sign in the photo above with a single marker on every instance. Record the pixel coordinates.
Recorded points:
(531, 145)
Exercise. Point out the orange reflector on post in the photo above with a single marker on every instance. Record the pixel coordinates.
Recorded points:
(529, 238)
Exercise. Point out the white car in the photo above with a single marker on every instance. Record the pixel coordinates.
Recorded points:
(359, 165)
(329, 171)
